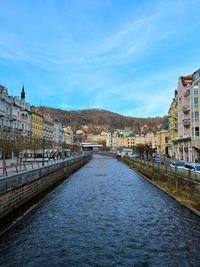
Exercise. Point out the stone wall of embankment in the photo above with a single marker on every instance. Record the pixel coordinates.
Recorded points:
(19, 189)
(183, 185)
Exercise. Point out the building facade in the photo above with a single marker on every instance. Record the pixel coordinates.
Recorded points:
(151, 139)
(162, 141)
(48, 126)
(36, 123)
(139, 139)
(173, 127)
(184, 119)
(68, 135)
(59, 133)
(15, 113)
(128, 141)
(195, 118)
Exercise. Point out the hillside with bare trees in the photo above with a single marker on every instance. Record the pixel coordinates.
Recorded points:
(103, 119)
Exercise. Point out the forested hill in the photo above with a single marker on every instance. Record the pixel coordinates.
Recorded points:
(104, 118)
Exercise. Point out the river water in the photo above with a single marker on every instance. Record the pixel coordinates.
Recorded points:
(105, 214)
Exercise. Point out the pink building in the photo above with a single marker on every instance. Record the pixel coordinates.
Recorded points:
(150, 138)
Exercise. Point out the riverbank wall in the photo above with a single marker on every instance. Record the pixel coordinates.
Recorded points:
(181, 184)
(19, 189)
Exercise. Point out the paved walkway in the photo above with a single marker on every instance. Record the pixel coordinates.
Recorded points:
(14, 168)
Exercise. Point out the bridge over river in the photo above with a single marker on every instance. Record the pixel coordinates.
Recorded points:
(105, 214)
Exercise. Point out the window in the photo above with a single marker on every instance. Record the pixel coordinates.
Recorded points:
(196, 116)
(196, 102)
(195, 90)
(196, 76)
(196, 131)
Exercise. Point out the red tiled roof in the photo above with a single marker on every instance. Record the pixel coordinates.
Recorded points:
(186, 79)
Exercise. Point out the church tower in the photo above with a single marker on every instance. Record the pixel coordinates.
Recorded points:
(23, 94)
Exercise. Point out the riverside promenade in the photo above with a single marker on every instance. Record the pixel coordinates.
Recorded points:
(12, 167)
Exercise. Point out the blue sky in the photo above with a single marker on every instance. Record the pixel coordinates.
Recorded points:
(121, 55)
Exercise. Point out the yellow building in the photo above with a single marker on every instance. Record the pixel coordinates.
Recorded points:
(162, 141)
(36, 123)
(128, 141)
(173, 127)
(68, 135)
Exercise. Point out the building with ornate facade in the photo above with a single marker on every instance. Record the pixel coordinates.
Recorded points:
(162, 141)
(184, 118)
(173, 127)
(68, 135)
(128, 141)
(37, 120)
(139, 139)
(151, 139)
(59, 133)
(195, 118)
(114, 139)
(14, 112)
(48, 126)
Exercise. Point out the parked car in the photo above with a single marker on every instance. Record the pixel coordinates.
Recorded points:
(195, 167)
(134, 155)
(179, 165)
(156, 160)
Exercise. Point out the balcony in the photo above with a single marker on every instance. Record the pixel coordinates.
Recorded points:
(185, 108)
(13, 117)
(186, 122)
(187, 92)
(2, 113)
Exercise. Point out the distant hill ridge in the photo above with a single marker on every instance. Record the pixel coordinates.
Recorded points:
(103, 118)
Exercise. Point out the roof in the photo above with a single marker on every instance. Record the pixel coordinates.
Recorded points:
(186, 79)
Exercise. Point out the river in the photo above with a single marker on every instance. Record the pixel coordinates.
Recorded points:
(105, 214)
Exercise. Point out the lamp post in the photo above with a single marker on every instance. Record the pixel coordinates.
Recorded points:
(43, 150)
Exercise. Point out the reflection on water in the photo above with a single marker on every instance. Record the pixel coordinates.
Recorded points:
(104, 215)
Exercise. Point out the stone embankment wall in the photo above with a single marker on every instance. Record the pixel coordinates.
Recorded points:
(183, 185)
(19, 189)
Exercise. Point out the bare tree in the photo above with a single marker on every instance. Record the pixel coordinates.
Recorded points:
(35, 144)
(6, 144)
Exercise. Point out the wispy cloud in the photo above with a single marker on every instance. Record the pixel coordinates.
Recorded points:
(124, 56)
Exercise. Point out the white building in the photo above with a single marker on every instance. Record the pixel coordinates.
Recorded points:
(184, 119)
(195, 118)
(48, 127)
(14, 112)
(113, 140)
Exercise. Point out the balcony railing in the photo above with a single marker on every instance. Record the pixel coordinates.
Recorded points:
(185, 108)
(187, 92)
(186, 122)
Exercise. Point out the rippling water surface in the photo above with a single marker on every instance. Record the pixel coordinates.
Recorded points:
(104, 215)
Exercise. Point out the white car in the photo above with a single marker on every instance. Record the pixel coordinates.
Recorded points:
(179, 165)
(195, 167)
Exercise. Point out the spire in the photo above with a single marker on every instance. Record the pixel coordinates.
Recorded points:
(23, 93)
